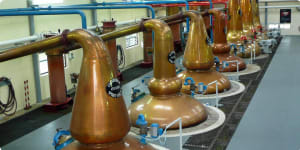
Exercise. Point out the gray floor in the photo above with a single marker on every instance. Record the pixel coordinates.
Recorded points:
(272, 120)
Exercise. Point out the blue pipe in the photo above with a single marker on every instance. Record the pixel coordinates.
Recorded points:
(141, 3)
(52, 12)
(78, 7)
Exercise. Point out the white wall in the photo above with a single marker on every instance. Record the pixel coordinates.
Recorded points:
(274, 17)
(21, 69)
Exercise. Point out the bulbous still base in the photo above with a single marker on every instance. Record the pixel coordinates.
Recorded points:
(233, 65)
(165, 109)
(247, 53)
(206, 77)
(127, 143)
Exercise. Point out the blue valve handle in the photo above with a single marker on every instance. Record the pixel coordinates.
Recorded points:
(242, 49)
(57, 137)
(189, 81)
(204, 87)
(225, 64)
(141, 120)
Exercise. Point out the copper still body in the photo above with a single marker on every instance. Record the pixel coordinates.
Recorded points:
(220, 47)
(99, 117)
(256, 21)
(248, 26)
(235, 32)
(199, 60)
(166, 103)
(175, 28)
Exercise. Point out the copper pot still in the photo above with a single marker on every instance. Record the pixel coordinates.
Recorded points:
(235, 30)
(220, 47)
(248, 25)
(198, 59)
(99, 117)
(166, 103)
(256, 21)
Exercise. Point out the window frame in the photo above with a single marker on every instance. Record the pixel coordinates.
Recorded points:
(129, 37)
(65, 61)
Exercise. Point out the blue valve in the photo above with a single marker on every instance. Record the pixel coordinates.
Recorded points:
(225, 64)
(217, 62)
(142, 123)
(216, 59)
(234, 48)
(155, 131)
(189, 81)
(242, 49)
(201, 87)
(57, 137)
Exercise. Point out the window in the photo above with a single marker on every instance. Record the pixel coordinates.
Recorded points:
(132, 40)
(44, 63)
(285, 26)
(280, 26)
(273, 26)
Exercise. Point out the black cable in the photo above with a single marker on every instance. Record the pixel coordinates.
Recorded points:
(11, 104)
(121, 57)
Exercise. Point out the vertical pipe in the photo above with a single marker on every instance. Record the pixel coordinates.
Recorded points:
(94, 14)
(35, 59)
(266, 16)
(57, 81)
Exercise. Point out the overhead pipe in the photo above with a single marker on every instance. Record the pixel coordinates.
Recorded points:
(192, 3)
(20, 40)
(283, 6)
(71, 7)
(140, 3)
(52, 12)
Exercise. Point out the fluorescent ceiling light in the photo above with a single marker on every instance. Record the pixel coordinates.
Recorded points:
(42, 2)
